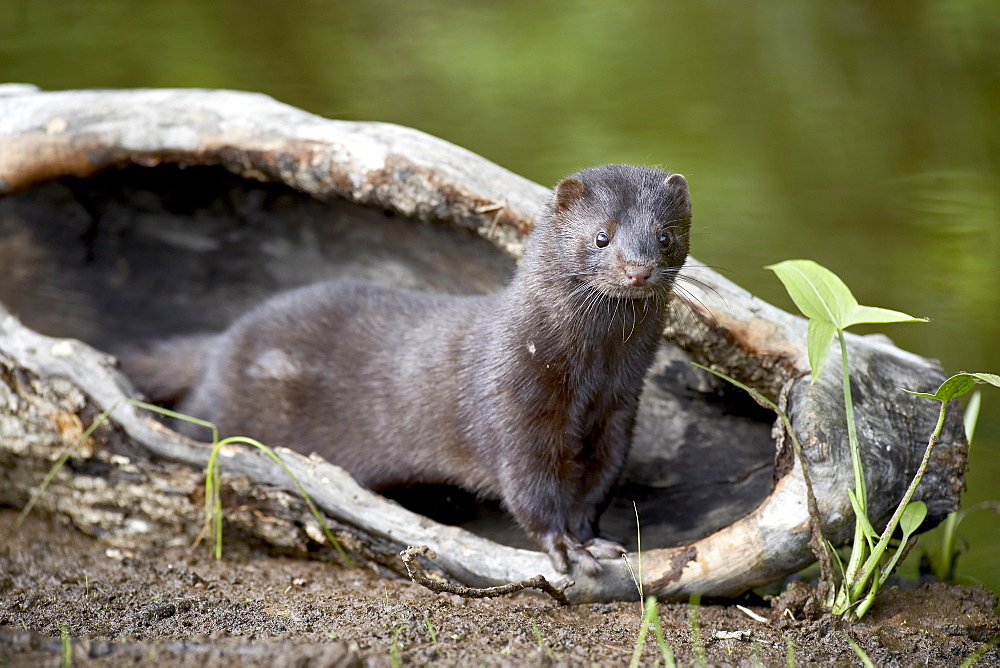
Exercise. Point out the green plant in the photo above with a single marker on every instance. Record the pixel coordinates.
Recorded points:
(954, 387)
(944, 568)
(213, 487)
(66, 645)
(980, 651)
(636, 578)
(862, 654)
(430, 629)
(394, 646)
(908, 516)
(544, 646)
(651, 619)
(64, 456)
(830, 307)
(650, 612)
(945, 560)
(694, 626)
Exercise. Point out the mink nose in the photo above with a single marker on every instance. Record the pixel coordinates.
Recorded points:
(638, 275)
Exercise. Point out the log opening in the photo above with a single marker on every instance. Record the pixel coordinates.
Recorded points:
(135, 254)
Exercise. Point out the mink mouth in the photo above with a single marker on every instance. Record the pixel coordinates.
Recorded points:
(651, 290)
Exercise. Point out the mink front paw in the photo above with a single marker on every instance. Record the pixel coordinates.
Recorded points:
(602, 548)
(566, 551)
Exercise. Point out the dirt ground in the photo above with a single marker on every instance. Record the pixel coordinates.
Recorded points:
(180, 607)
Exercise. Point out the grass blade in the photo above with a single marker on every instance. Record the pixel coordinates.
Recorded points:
(980, 651)
(862, 654)
(694, 625)
(651, 618)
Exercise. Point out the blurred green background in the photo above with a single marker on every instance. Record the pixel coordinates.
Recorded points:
(862, 135)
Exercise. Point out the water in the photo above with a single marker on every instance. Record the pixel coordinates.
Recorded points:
(861, 135)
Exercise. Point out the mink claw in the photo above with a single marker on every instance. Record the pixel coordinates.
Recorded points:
(566, 553)
(602, 548)
(584, 561)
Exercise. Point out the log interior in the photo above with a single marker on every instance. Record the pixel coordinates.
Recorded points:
(133, 254)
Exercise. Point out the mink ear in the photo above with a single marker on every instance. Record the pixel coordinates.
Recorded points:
(677, 181)
(678, 186)
(568, 192)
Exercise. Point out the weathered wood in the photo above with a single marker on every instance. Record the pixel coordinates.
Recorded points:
(136, 481)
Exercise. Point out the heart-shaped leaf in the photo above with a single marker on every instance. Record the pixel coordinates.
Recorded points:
(958, 385)
(818, 339)
(829, 304)
(816, 290)
(912, 517)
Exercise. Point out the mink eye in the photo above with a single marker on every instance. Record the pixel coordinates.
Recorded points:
(602, 239)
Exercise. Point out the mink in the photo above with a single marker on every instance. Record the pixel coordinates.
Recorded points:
(528, 395)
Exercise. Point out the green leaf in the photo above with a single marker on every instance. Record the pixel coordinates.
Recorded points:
(971, 416)
(818, 341)
(862, 655)
(955, 386)
(922, 395)
(912, 517)
(909, 521)
(832, 549)
(878, 316)
(829, 304)
(816, 290)
(821, 295)
(859, 513)
(958, 385)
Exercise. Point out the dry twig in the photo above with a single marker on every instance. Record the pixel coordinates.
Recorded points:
(538, 582)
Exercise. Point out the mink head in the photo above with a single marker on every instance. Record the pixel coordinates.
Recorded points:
(622, 230)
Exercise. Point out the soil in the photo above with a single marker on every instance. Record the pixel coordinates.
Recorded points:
(182, 607)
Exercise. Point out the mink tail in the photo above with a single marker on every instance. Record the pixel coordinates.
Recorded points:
(167, 370)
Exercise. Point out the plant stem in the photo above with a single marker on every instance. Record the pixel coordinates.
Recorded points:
(64, 456)
(640, 641)
(858, 585)
(817, 543)
(302, 492)
(694, 626)
(945, 570)
(858, 551)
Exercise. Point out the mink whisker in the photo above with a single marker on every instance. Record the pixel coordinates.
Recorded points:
(685, 297)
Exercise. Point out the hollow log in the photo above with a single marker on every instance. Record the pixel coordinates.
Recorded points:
(129, 215)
